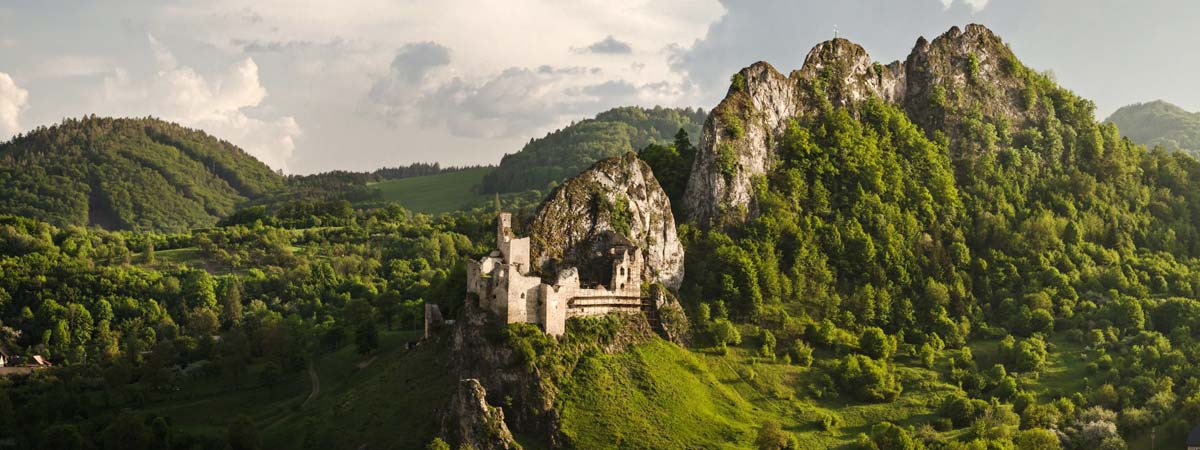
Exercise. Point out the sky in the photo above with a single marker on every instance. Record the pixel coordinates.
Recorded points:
(311, 86)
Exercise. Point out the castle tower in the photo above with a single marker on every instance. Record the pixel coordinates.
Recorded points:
(514, 251)
(627, 269)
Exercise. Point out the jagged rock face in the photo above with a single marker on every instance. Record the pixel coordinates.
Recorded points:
(473, 422)
(475, 355)
(739, 140)
(946, 65)
(615, 196)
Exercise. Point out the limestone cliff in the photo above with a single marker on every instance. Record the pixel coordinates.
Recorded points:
(478, 353)
(959, 76)
(492, 373)
(617, 198)
(471, 421)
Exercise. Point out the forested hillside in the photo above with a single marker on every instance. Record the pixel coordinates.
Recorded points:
(127, 174)
(566, 152)
(1159, 123)
(232, 313)
(968, 231)
(946, 252)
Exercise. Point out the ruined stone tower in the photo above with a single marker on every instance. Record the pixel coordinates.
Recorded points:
(505, 285)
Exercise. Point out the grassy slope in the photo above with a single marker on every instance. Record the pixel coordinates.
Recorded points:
(389, 404)
(661, 396)
(435, 194)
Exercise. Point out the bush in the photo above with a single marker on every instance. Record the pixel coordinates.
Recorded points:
(771, 436)
(868, 379)
(725, 333)
(738, 82)
(768, 345)
(888, 436)
(801, 353)
(961, 410)
(829, 421)
(1037, 439)
(874, 343)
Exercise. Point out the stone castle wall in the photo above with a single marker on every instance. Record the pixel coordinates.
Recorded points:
(504, 286)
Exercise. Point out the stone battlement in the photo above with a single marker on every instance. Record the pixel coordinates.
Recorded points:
(505, 286)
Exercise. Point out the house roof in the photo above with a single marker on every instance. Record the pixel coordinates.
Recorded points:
(1193, 438)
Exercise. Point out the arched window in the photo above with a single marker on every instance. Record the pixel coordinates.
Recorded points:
(522, 295)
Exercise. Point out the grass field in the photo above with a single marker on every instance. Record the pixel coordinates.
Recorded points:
(435, 194)
(658, 395)
(388, 403)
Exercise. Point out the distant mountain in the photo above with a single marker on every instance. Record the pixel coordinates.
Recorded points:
(567, 152)
(1159, 123)
(127, 174)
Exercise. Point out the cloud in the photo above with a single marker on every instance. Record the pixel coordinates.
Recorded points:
(66, 66)
(608, 46)
(782, 32)
(975, 5)
(414, 61)
(219, 103)
(518, 101)
(13, 99)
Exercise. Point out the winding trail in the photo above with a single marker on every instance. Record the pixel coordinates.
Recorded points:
(316, 385)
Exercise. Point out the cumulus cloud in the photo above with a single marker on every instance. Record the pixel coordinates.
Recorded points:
(609, 45)
(517, 101)
(414, 61)
(13, 99)
(975, 5)
(781, 32)
(219, 103)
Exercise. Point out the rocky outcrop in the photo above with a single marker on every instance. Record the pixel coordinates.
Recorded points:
(477, 352)
(492, 373)
(471, 421)
(617, 198)
(739, 141)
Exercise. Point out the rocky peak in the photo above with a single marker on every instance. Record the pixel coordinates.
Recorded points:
(470, 420)
(937, 79)
(617, 198)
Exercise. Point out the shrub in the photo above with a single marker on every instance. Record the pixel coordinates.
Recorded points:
(727, 160)
(829, 421)
(724, 333)
(768, 345)
(738, 82)
(801, 353)
(961, 410)
(868, 379)
(771, 436)
(887, 435)
(1037, 439)
(874, 343)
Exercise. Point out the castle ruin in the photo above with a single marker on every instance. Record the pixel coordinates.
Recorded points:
(507, 286)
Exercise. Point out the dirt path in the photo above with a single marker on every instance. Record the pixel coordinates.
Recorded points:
(316, 390)
(367, 363)
(316, 385)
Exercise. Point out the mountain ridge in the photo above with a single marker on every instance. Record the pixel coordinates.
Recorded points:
(742, 133)
(1159, 123)
(128, 173)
